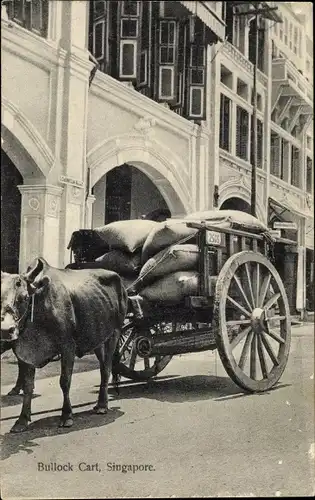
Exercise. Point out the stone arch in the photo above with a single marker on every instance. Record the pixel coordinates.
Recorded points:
(153, 159)
(24, 144)
(234, 188)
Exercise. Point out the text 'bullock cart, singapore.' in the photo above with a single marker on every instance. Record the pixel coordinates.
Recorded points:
(227, 296)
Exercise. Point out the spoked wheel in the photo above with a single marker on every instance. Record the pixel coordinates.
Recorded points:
(133, 366)
(252, 321)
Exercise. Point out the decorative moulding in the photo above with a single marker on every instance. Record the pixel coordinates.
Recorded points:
(146, 125)
(34, 203)
(106, 87)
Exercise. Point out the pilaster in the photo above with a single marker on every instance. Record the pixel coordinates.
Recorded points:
(40, 220)
(71, 218)
(267, 121)
(213, 149)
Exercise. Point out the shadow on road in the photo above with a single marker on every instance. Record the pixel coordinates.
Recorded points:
(6, 400)
(14, 443)
(186, 389)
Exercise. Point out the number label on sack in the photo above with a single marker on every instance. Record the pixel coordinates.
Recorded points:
(213, 238)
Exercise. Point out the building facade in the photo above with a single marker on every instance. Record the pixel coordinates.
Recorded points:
(165, 123)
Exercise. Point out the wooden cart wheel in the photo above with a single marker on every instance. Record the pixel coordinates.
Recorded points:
(252, 321)
(134, 367)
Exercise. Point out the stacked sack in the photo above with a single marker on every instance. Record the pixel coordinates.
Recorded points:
(169, 269)
(125, 240)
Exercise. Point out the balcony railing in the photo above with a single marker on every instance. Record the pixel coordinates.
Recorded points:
(30, 14)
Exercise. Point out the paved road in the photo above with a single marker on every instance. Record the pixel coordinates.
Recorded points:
(192, 427)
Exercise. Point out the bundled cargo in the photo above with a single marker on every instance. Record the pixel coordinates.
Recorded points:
(126, 235)
(121, 262)
(172, 288)
(230, 219)
(170, 260)
(87, 245)
(164, 235)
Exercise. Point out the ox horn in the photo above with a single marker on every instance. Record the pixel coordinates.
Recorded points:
(33, 270)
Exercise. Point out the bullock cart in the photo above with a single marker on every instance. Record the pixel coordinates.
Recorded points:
(241, 309)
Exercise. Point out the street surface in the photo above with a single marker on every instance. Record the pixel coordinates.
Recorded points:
(193, 429)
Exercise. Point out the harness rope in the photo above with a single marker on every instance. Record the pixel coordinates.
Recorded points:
(13, 309)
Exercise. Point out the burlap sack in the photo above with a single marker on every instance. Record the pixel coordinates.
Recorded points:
(172, 288)
(164, 235)
(121, 262)
(170, 260)
(126, 235)
(230, 219)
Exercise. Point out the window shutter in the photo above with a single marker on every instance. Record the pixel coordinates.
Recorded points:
(181, 67)
(242, 133)
(196, 81)
(229, 21)
(295, 162)
(274, 154)
(31, 14)
(225, 107)
(144, 73)
(98, 32)
(167, 59)
(260, 140)
(129, 35)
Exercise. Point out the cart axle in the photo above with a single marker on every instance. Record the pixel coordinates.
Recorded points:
(179, 343)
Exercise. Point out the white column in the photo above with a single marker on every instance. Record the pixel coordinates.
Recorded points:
(99, 191)
(40, 219)
(71, 122)
(213, 164)
(89, 211)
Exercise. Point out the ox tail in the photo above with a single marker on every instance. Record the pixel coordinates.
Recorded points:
(115, 368)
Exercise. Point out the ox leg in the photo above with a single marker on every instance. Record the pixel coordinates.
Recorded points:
(28, 377)
(67, 362)
(104, 355)
(20, 380)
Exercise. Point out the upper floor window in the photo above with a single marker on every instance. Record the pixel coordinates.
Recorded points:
(229, 21)
(98, 33)
(296, 40)
(295, 166)
(31, 14)
(129, 40)
(242, 133)
(225, 122)
(259, 143)
(291, 36)
(261, 45)
(167, 59)
(275, 149)
(309, 175)
(286, 30)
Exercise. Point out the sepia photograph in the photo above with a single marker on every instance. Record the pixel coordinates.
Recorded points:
(157, 249)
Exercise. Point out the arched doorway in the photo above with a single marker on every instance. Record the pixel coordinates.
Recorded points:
(10, 214)
(236, 204)
(125, 193)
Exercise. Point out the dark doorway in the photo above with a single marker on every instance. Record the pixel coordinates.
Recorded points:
(236, 204)
(10, 215)
(118, 194)
(130, 194)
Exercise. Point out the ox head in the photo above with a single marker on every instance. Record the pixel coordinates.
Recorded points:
(16, 292)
